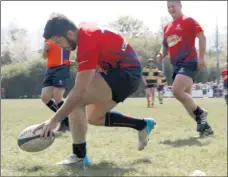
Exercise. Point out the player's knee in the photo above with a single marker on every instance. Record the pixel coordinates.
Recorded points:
(58, 94)
(95, 121)
(177, 93)
(92, 122)
(46, 97)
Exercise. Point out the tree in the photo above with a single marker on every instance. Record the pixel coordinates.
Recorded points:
(128, 26)
(16, 44)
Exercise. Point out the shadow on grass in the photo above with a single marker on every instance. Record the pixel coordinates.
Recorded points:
(193, 141)
(101, 169)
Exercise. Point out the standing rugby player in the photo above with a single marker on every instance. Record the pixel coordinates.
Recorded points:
(179, 42)
(150, 76)
(161, 84)
(56, 76)
(96, 94)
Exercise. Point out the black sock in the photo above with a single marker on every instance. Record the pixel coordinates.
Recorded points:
(79, 150)
(198, 112)
(66, 120)
(52, 105)
(116, 119)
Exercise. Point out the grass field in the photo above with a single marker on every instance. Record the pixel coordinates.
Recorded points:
(172, 149)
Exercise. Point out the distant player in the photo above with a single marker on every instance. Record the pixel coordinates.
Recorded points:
(179, 42)
(56, 77)
(224, 74)
(150, 75)
(94, 95)
(162, 82)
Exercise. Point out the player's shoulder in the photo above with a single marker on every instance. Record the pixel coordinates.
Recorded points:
(88, 27)
(188, 19)
(145, 68)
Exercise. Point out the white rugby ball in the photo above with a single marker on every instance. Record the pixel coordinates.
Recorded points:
(197, 173)
(31, 142)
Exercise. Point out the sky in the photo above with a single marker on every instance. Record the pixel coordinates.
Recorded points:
(33, 15)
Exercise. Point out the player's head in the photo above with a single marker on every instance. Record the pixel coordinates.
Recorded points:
(174, 8)
(61, 31)
(150, 62)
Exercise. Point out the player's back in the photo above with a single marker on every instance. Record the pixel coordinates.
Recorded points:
(113, 50)
(57, 56)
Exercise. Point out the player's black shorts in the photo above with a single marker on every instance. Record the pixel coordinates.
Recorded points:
(57, 76)
(151, 85)
(187, 69)
(160, 88)
(123, 82)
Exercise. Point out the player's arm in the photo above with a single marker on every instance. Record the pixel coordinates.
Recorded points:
(164, 48)
(77, 95)
(199, 33)
(45, 50)
(87, 63)
(202, 44)
(143, 78)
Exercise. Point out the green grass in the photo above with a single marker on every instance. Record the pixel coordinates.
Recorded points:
(172, 148)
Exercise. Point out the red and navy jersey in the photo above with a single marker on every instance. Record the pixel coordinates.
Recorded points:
(224, 74)
(99, 46)
(179, 38)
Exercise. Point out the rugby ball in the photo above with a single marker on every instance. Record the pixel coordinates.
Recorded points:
(31, 142)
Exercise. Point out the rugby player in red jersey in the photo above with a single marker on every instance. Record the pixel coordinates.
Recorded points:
(224, 74)
(179, 43)
(96, 93)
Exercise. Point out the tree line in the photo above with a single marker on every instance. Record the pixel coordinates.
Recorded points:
(23, 69)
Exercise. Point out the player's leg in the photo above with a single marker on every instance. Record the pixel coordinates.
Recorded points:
(183, 82)
(100, 114)
(153, 96)
(47, 92)
(161, 94)
(148, 95)
(58, 93)
(60, 78)
(98, 91)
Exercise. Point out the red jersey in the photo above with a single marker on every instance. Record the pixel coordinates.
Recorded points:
(99, 46)
(179, 38)
(224, 74)
(57, 56)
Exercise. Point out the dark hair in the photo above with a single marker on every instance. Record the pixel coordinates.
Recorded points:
(58, 25)
(175, 1)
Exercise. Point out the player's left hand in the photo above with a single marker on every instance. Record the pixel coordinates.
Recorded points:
(48, 127)
(201, 64)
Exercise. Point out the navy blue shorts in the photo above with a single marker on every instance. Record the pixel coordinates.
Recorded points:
(57, 76)
(187, 69)
(123, 82)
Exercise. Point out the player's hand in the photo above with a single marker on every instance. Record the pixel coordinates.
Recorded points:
(47, 127)
(201, 63)
(159, 57)
(46, 47)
